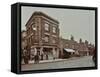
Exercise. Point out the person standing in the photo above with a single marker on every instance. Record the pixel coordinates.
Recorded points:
(36, 58)
(46, 56)
(35, 55)
(25, 56)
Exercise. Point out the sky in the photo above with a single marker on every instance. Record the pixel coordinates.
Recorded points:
(79, 23)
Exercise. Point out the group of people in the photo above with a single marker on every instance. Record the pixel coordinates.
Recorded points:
(37, 54)
(37, 58)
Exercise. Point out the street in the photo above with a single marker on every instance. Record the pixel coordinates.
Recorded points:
(85, 61)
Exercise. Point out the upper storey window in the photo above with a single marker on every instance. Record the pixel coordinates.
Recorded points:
(34, 27)
(46, 27)
(46, 39)
(54, 29)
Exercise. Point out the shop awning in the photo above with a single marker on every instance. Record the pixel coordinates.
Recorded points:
(69, 50)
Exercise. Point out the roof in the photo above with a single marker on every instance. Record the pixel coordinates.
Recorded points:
(42, 14)
(69, 50)
(45, 15)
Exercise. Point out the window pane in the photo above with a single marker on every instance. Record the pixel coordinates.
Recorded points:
(33, 27)
(54, 41)
(46, 39)
(54, 30)
(46, 27)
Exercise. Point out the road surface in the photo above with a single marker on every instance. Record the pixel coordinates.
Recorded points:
(85, 61)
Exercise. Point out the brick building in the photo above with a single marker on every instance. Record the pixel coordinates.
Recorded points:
(81, 48)
(23, 38)
(68, 44)
(91, 48)
(24, 53)
(42, 36)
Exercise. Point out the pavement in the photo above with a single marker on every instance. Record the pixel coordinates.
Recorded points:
(49, 61)
(73, 62)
